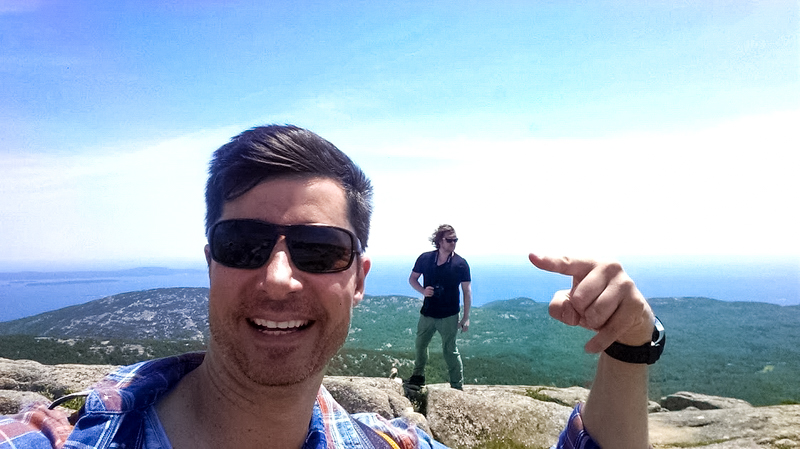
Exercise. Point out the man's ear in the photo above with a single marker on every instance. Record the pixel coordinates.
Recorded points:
(208, 255)
(364, 264)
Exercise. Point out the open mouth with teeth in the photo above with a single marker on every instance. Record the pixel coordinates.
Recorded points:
(269, 326)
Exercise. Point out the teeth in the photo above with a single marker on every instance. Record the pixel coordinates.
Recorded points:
(279, 324)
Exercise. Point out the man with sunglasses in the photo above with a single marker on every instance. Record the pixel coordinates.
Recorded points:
(287, 222)
(443, 272)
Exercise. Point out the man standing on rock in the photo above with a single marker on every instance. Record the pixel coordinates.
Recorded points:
(443, 273)
(287, 222)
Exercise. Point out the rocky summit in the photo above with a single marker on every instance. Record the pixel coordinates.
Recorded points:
(481, 415)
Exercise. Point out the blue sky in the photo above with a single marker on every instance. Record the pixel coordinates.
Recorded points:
(586, 127)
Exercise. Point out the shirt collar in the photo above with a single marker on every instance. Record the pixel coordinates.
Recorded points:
(316, 430)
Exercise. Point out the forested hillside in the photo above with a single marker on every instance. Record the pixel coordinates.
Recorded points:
(749, 351)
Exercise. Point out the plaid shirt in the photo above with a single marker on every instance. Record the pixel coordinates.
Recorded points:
(574, 436)
(116, 410)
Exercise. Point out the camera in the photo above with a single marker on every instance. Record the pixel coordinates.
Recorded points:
(438, 291)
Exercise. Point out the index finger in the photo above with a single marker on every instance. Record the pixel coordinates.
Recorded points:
(563, 265)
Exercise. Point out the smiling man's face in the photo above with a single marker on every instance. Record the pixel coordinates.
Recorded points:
(275, 324)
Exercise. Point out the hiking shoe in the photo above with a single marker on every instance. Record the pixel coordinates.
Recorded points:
(416, 380)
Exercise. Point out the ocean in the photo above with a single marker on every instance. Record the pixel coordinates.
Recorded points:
(772, 280)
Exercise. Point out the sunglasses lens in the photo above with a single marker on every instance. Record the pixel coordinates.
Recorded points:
(242, 243)
(320, 249)
(314, 249)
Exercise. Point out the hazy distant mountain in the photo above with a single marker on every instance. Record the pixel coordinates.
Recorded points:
(164, 313)
(33, 276)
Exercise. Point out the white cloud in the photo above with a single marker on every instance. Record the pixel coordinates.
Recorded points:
(726, 190)
(19, 6)
(145, 204)
(731, 189)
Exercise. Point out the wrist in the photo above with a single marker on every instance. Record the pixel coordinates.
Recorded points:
(648, 352)
(639, 334)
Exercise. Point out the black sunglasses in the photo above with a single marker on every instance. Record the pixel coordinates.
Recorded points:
(452, 240)
(313, 248)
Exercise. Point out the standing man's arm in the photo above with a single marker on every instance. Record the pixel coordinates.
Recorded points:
(604, 299)
(413, 280)
(466, 288)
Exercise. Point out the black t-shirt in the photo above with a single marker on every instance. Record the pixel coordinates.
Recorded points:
(448, 277)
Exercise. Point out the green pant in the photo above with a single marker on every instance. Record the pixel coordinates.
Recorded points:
(447, 328)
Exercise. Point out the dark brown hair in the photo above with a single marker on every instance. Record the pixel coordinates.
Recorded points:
(439, 233)
(274, 151)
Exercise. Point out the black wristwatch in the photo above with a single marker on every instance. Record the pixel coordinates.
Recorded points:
(647, 353)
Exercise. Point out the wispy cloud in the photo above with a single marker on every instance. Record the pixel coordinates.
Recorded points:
(20, 6)
(126, 204)
(730, 189)
(720, 190)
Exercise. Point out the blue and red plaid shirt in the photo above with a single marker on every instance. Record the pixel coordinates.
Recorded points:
(119, 413)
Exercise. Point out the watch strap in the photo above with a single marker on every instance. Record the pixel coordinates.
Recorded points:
(647, 353)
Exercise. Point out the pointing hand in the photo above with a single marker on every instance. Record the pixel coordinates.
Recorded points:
(603, 298)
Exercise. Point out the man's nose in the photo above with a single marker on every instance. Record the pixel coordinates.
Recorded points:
(279, 272)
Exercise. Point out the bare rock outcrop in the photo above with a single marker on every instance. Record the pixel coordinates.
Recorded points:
(376, 395)
(516, 416)
(49, 381)
(774, 427)
(685, 399)
(12, 401)
(480, 414)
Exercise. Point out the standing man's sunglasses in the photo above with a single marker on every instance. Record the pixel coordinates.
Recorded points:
(452, 240)
(313, 248)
